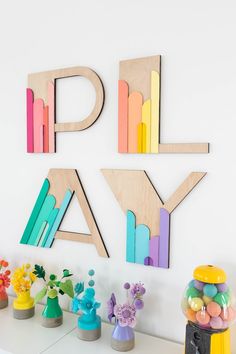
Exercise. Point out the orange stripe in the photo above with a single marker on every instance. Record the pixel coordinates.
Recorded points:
(134, 118)
(45, 130)
(123, 91)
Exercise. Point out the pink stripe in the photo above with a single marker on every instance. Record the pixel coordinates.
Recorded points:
(30, 123)
(51, 118)
(38, 125)
(123, 91)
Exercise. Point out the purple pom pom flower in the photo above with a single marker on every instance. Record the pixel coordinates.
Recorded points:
(127, 286)
(137, 290)
(139, 304)
(125, 315)
(110, 306)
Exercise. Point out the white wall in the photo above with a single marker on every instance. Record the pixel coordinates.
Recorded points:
(197, 42)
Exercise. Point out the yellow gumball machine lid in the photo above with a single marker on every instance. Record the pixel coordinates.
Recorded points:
(209, 274)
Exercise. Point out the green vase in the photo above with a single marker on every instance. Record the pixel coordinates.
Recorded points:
(52, 313)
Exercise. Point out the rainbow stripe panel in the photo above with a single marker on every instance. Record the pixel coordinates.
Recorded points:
(45, 218)
(139, 106)
(40, 122)
(146, 249)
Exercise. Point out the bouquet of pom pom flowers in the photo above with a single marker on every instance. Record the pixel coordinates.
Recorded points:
(125, 316)
(4, 283)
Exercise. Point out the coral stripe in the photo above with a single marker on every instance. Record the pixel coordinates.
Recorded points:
(45, 130)
(134, 118)
(30, 122)
(38, 125)
(123, 91)
(51, 118)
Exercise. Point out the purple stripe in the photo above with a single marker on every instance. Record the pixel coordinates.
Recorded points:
(154, 250)
(164, 238)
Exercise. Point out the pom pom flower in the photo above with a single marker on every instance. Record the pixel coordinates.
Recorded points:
(125, 315)
(23, 278)
(54, 285)
(4, 275)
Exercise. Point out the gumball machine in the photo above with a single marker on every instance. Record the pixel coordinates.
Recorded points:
(209, 306)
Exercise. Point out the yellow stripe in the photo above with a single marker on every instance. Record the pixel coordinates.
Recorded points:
(155, 103)
(146, 118)
(141, 138)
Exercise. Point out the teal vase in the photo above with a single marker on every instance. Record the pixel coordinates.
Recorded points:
(89, 326)
(52, 313)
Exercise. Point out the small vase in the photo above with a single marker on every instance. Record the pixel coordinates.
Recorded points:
(3, 298)
(122, 338)
(52, 313)
(23, 306)
(89, 326)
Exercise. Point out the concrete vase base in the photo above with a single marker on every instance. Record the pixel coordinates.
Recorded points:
(89, 335)
(23, 314)
(52, 322)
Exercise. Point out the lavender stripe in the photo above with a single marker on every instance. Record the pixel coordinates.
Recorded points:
(164, 238)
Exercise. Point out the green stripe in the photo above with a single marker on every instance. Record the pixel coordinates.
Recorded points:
(36, 210)
(45, 211)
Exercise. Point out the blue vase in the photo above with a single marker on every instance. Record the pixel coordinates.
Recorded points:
(123, 338)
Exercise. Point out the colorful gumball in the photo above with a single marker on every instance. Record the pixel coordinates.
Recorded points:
(214, 309)
(202, 317)
(210, 290)
(196, 304)
(191, 284)
(222, 299)
(222, 288)
(184, 304)
(198, 285)
(192, 292)
(225, 324)
(207, 299)
(228, 314)
(191, 315)
(216, 323)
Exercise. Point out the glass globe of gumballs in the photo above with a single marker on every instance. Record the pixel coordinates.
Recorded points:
(209, 306)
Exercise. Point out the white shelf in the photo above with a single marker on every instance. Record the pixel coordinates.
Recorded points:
(29, 337)
(144, 344)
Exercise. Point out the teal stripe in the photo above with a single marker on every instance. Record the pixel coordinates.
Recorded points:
(130, 237)
(59, 218)
(43, 234)
(35, 212)
(45, 211)
(41, 231)
(51, 220)
(142, 243)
